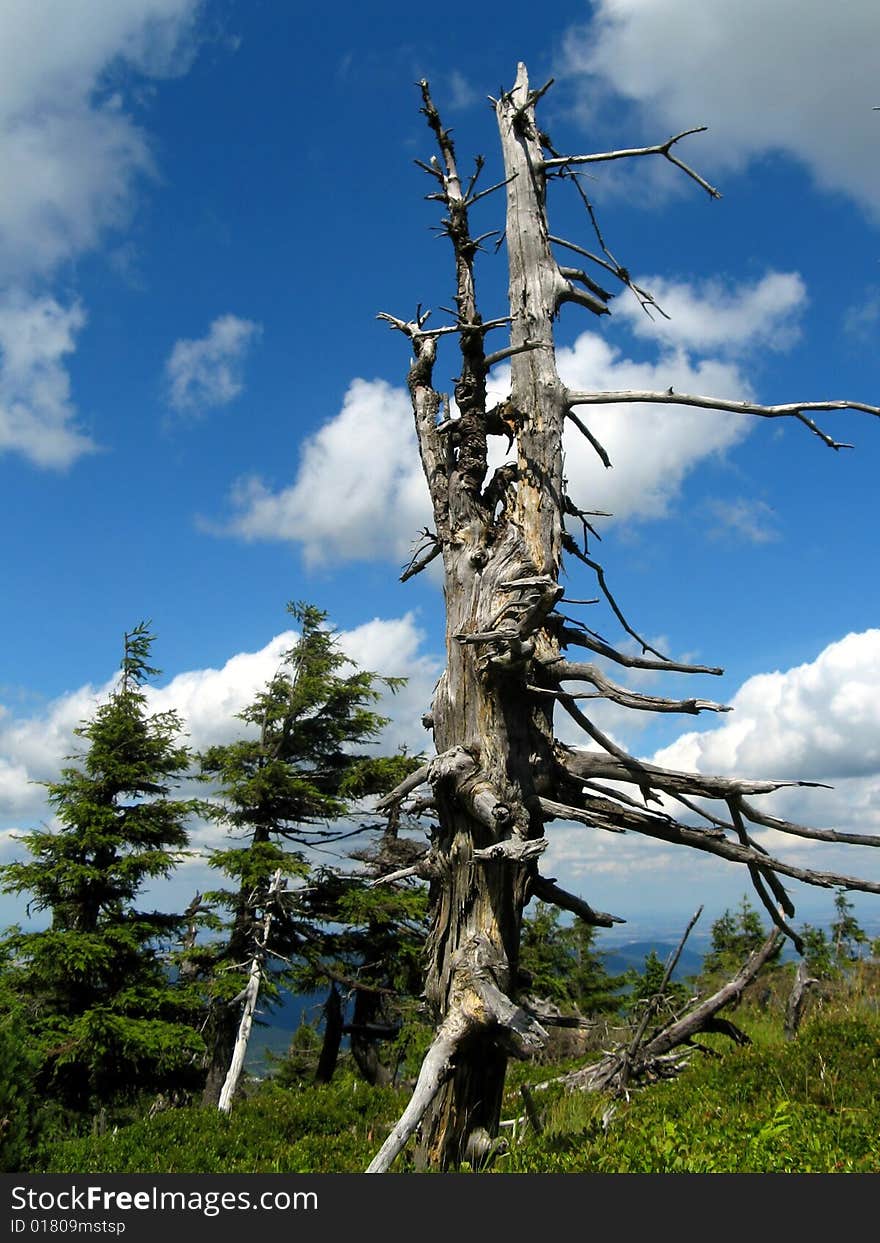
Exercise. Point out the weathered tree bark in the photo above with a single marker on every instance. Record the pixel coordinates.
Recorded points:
(251, 993)
(223, 1019)
(797, 998)
(501, 543)
(499, 775)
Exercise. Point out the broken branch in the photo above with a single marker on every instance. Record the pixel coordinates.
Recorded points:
(566, 671)
(548, 891)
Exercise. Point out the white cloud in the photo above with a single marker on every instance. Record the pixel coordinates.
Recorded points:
(71, 156)
(652, 448)
(751, 520)
(69, 151)
(207, 371)
(37, 416)
(359, 490)
(715, 316)
(796, 76)
(818, 721)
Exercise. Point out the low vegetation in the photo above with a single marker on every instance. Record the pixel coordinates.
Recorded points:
(807, 1105)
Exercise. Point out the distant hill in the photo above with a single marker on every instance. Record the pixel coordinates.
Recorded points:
(633, 954)
(282, 1020)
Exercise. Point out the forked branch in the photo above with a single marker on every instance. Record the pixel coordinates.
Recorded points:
(660, 148)
(788, 410)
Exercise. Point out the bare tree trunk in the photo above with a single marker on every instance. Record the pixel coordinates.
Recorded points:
(365, 1021)
(501, 561)
(794, 1009)
(239, 1051)
(332, 1037)
(251, 993)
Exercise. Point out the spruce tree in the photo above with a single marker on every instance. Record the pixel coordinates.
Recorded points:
(735, 935)
(370, 941)
(280, 789)
(562, 963)
(106, 1020)
(847, 934)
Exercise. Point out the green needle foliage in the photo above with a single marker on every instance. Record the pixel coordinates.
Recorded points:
(848, 936)
(282, 789)
(371, 942)
(105, 1019)
(735, 935)
(563, 965)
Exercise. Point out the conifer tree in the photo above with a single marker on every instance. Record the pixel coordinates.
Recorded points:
(562, 963)
(735, 935)
(280, 789)
(847, 934)
(105, 1018)
(370, 941)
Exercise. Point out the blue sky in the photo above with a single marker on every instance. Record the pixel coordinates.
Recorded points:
(201, 418)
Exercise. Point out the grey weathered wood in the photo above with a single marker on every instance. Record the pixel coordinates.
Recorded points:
(787, 410)
(668, 1051)
(476, 1004)
(573, 671)
(794, 1007)
(251, 993)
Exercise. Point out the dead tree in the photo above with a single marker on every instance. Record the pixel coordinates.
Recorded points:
(250, 993)
(664, 1051)
(797, 999)
(499, 775)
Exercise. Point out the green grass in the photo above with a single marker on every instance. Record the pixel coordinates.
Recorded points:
(810, 1106)
(330, 1129)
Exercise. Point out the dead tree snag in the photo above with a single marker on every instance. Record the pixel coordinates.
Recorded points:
(500, 776)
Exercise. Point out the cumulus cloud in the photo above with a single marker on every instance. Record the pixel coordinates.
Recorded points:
(69, 150)
(37, 415)
(208, 371)
(652, 448)
(208, 699)
(35, 748)
(71, 155)
(717, 316)
(818, 721)
(358, 491)
(758, 75)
